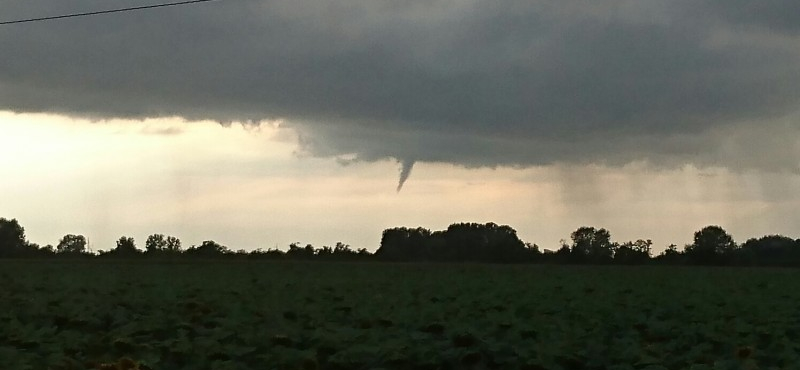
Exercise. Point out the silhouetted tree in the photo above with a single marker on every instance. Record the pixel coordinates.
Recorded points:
(273, 254)
(770, 250)
(173, 245)
(158, 244)
(297, 252)
(591, 245)
(12, 238)
(712, 246)
(33, 250)
(155, 243)
(562, 255)
(325, 252)
(404, 244)
(72, 244)
(126, 247)
(533, 253)
(240, 254)
(466, 242)
(670, 256)
(208, 249)
(460, 242)
(633, 253)
(484, 242)
(341, 252)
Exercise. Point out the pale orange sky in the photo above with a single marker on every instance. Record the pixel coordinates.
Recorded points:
(253, 188)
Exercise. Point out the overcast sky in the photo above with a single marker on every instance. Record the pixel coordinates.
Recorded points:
(257, 123)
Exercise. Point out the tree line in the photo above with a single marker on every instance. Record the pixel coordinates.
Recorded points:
(14, 244)
(461, 242)
(471, 242)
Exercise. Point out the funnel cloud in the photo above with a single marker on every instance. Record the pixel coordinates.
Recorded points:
(475, 84)
(405, 171)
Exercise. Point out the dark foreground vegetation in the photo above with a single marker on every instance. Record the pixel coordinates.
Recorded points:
(463, 242)
(230, 315)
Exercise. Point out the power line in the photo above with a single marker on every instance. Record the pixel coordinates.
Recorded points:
(73, 15)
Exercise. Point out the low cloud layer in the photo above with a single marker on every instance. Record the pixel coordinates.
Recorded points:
(500, 83)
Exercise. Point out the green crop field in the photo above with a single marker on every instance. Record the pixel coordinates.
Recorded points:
(258, 315)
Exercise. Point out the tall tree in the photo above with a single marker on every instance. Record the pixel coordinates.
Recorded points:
(404, 244)
(592, 245)
(155, 243)
(12, 238)
(172, 244)
(126, 247)
(712, 246)
(73, 244)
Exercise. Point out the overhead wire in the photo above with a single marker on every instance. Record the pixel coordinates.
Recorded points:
(119, 10)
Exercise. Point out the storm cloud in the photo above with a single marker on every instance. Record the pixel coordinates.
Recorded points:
(473, 83)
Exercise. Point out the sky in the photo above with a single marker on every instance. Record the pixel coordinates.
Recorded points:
(260, 123)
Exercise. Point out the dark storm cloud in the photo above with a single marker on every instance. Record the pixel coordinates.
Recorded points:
(778, 16)
(515, 83)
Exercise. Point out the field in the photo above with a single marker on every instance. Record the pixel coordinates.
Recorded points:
(242, 315)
